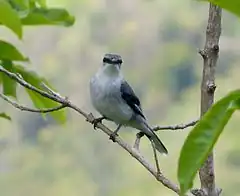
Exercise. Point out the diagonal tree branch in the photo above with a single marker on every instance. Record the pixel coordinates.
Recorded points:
(58, 98)
(90, 118)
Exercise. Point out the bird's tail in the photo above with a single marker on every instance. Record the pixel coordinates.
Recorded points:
(153, 137)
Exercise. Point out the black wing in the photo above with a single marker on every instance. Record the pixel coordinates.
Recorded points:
(131, 99)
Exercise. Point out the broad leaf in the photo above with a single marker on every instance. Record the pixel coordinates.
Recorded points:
(39, 101)
(202, 138)
(9, 85)
(230, 5)
(4, 115)
(9, 17)
(54, 16)
(21, 6)
(42, 3)
(9, 52)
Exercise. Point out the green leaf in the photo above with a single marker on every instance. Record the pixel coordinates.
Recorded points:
(42, 3)
(230, 5)
(9, 85)
(54, 16)
(202, 138)
(39, 101)
(9, 17)
(21, 6)
(4, 115)
(9, 52)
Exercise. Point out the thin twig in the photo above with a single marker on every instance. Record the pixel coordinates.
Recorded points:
(24, 108)
(30, 87)
(90, 118)
(176, 127)
(48, 89)
(155, 157)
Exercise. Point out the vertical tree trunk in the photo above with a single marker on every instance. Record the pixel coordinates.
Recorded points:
(210, 57)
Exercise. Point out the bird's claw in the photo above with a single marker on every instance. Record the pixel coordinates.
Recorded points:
(96, 121)
(113, 136)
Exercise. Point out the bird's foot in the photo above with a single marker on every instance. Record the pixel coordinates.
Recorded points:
(113, 136)
(96, 121)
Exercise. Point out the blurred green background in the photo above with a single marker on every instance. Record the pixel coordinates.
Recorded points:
(159, 42)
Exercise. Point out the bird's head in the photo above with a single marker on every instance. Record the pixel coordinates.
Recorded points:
(112, 63)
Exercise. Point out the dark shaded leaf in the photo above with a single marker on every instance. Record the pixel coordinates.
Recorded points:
(39, 101)
(9, 85)
(53, 16)
(4, 115)
(9, 17)
(230, 5)
(202, 138)
(9, 52)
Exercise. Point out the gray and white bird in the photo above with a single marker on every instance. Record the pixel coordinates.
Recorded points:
(116, 101)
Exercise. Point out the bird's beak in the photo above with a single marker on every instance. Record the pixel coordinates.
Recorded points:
(117, 66)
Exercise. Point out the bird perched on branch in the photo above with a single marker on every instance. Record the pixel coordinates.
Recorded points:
(116, 101)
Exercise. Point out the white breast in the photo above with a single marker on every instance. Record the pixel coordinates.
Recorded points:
(106, 98)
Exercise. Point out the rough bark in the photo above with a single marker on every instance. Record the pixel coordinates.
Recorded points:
(210, 57)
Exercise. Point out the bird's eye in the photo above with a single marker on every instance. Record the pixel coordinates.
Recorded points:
(105, 60)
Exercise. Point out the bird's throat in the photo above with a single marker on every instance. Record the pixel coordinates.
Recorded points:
(111, 70)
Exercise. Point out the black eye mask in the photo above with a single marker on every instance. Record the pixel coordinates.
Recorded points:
(112, 61)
